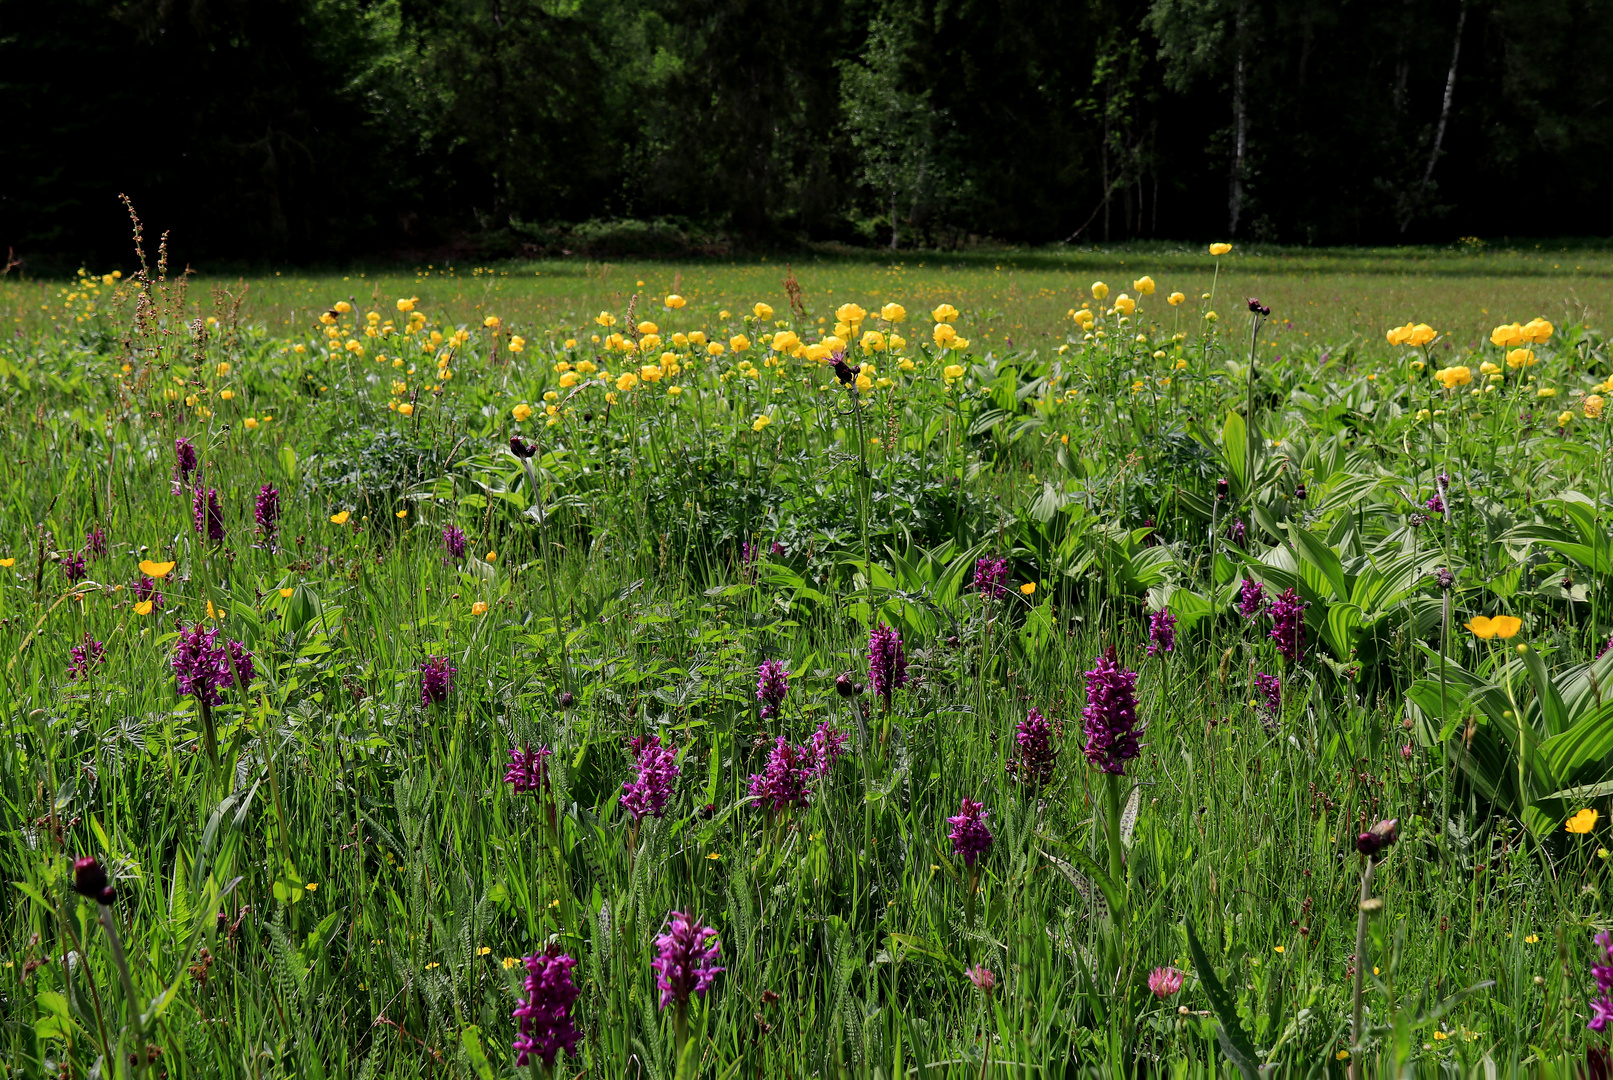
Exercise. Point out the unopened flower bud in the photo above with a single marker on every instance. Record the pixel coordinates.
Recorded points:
(1378, 837)
(90, 880)
(567, 699)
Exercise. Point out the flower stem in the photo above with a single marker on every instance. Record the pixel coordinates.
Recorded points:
(1360, 970)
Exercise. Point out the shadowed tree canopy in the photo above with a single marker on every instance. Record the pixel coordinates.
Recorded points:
(311, 130)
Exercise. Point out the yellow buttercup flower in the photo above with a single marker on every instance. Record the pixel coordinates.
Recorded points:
(154, 570)
(1488, 368)
(761, 422)
(1565, 418)
(1593, 406)
(1397, 335)
(1144, 286)
(1501, 626)
(605, 318)
(1220, 249)
(479, 608)
(1028, 589)
(850, 314)
(1125, 304)
(341, 518)
(1521, 358)
(945, 313)
(873, 341)
(715, 348)
(491, 322)
(1421, 334)
(763, 311)
(1537, 330)
(342, 306)
(953, 371)
(1582, 822)
(522, 413)
(1452, 377)
(1507, 335)
(944, 335)
(8, 562)
(143, 607)
(786, 341)
(405, 304)
(492, 556)
(739, 343)
(401, 514)
(893, 313)
(1175, 299)
(1099, 290)
(285, 594)
(626, 381)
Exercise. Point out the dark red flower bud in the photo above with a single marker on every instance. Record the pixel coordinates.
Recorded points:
(90, 880)
(1378, 837)
(567, 699)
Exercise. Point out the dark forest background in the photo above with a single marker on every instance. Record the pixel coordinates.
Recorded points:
(314, 130)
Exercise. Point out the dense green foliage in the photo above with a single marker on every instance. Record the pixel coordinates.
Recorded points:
(307, 130)
(348, 889)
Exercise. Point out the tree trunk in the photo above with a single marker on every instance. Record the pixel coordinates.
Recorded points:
(1240, 131)
(1415, 202)
(893, 219)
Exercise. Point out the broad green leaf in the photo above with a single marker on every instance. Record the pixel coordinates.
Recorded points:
(1235, 1042)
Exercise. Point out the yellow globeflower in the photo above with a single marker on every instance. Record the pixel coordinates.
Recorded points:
(1488, 368)
(649, 343)
(763, 311)
(1421, 334)
(1452, 377)
(674, 390)
(1593, 406)
(650, 373)
(944, 313)
(865, 382)
(786, 341)
(944, 334)
(1537, 330)
(626, 381)
(491, 322)
(605, 318)
(1220, 249)
(715, 348)
(1125, 304)
(1546, 392)
(697, 338)
(674, 301)
(1099, 290)
(1507, 335)
(1144, 286)
(739, 343)
(522, 413)
(1564, 418)
(479, 608)
(406, 409)
(1502, 626)
(648, 327)
(517, 343)
(761, 422)
(405, 304)
(342, 306)
(893, 313)
(341, 518)
(953, 371)
(1175, 299)
(850, 314)
(873, 341)
(1582, 822)
(1521, 358)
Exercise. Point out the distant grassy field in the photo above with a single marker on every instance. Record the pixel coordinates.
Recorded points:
(1018, 298)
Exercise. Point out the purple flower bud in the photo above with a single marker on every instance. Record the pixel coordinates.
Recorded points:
(1238, 532)
(1110, 715)
(1288, 625)
(887, 662)
(1033, 738)
(657, 770)
(970, 836)
(86, 656)
(783, 781)
(772, 683)
(207, 515)
(73, 566)
(95, 542)
(1270, 689)
(1161, 632)
(184, 459)
(521, 448)
(528, 772)
(266, 512)
(454, 541)
(982, 978)
(202, 666)
(1251, 598)
(544, 1015)
(847, 686)
(567, 699)
(686, 959)
(1380, 836)
(90, 880)
(436, 680)
(991, 578)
